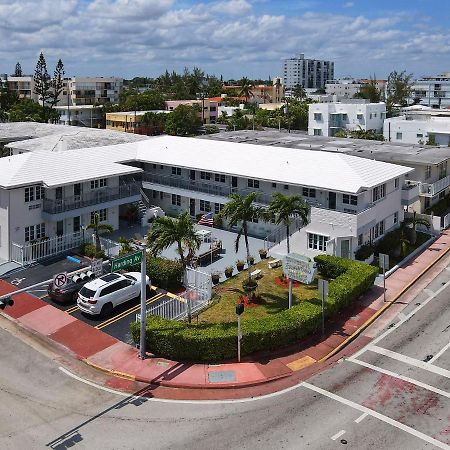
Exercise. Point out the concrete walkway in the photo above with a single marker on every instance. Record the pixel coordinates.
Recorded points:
(117, 358)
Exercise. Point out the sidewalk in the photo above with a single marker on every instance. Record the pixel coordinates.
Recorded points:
(116, 358)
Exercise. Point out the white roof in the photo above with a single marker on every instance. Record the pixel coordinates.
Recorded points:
(322, 170)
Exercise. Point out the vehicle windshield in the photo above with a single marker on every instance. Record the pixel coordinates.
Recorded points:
(88, 293)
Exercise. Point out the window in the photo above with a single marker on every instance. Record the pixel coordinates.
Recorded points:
(217, 208)
(286, 187)
(100, 183)
(396, 217)
(205, 206)
(378, 230)
(398, 136)
(317, 116)
(350, 199)
(419, 135)
(161, 167)
(155, 194)
(29, 233)
(40, 230)
(103, 215)
(253, 183)
(76, 224)
(176, 170)
(378, 192)
(29, 194)
(254, 220)
(154, 166)
(359, 116)
(396, 183)
(219, 178)
(40, 193)
(309, 192)
(274, 185)
(34, 232)
(317, 132)
(205, 175)
(317, 242)
(428, 172)
(176, 199)
(161, 195)
(360, 239)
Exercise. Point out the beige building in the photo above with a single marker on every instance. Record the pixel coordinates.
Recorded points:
(130, 122)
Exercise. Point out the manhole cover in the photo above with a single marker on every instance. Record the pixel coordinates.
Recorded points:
(221, 376)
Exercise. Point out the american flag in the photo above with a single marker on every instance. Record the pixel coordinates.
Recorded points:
(207, 219)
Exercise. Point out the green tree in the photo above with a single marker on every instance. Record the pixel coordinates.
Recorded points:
(299, 92)
(370, 91)
(26, 110)
(246, 87)
(412, 222)
(239, 211)
(126, 245)
(184, 121)
(399, 88)
(153, 122)
(42, 83)
(56, 87)
(98, 227)
(18, 70)
(7, 98)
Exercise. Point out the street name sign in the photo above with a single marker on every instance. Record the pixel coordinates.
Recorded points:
(126, 261)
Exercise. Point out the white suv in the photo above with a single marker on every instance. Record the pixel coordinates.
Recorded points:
(102, 295)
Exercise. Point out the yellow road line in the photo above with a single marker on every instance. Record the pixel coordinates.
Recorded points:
(72, 309)
(127, 312)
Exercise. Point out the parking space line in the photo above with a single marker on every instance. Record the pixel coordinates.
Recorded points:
(337, 435)
(72, 309)
(377, 415)
(408, 360)
(400, 377)
(439, 353)
(361, 417)
(127, 312)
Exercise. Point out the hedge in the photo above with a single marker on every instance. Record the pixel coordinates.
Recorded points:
(214, 342)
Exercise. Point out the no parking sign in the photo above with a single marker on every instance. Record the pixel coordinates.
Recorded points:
(60, 280)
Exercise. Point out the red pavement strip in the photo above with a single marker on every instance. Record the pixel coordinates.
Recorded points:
(116, 358)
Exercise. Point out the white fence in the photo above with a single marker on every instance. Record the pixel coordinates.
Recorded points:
(111, 248)
(280, 234)
(26, 254)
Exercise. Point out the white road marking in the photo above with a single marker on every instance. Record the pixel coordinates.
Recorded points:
(361, 417)
(439, 353)
(407, 317)
(401, 317)
(408, 360)
(378, 416)
(401, 377)
(337, 435)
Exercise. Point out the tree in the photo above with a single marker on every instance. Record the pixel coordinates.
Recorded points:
(56, 87)
(97, 227)
(153, 123)
(18, 70)
(412, 222)
(299, 92)
(284, 208)
(42, 82)
(370, 91)
(399, 88)
(246, 87)
(184, 120)
(167, 231)
(239, 211)
(8, 98)
(26, 110)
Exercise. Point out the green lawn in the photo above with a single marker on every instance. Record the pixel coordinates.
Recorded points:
(275, 297)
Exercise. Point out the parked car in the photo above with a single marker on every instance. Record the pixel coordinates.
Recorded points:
(100, 296)
(69, 293)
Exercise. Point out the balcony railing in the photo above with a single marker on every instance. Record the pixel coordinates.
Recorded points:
(96, 197)
(436, 187)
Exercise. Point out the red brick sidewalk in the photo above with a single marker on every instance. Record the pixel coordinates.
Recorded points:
(266, 372)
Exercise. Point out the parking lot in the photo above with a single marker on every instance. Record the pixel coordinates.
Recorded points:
(117, 325)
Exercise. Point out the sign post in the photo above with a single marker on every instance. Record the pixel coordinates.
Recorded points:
(239, 311)
(323, 290)
(143, 301)
(384, 263)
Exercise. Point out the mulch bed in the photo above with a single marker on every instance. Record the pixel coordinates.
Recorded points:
(284, 282)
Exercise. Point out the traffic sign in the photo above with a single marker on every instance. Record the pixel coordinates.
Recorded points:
(60, 280)
(383, 261)
(97, 267)
(126, 261)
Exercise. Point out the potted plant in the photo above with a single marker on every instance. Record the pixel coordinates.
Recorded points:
(262, 253)
(229, 271)
(240, 265)
(249, 285)
(215, 277)
(251, 260)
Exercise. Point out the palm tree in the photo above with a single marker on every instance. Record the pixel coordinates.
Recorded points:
(284, 208)
(167, 231)
(241, 210)
(299, 92)
(97, 227)
(412, 223)
(246, 88)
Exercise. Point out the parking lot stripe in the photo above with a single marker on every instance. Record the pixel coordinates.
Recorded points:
(72, 309)
(127, 312)
(439, 353)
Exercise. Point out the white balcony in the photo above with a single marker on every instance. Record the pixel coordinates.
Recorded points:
(432, 189)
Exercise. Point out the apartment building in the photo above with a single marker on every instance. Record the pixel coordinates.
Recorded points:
(80, 91)
(343, 88)
(209, 108)
(47, 194)
(22, 86)
(309, 73)
(82, 115)
(432, 91)
(325, 119)
(262, 93)
(419, 125)
(131, 122)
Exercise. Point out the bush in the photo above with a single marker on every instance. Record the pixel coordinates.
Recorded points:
(214, 342)
(165, 273)
(89, 250)
(364, 252)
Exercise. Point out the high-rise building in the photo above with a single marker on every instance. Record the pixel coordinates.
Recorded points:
(309, 73)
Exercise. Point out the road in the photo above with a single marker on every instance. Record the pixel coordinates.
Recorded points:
(392, 394)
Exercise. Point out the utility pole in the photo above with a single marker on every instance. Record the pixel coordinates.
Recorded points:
(143, 301)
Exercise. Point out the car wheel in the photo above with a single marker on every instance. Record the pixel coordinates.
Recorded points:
(106, 311)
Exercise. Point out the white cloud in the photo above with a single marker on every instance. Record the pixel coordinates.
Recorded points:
(232, 7)
(348, 5)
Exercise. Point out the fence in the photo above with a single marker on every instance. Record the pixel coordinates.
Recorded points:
(111, 248)
(30, 252)
(279, 234)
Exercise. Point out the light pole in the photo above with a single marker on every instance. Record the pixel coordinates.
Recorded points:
(143, 301)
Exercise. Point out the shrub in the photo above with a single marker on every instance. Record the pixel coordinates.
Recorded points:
(89, 250)
(214, 342)
(249, 285)
(166, 273)
(364, 252)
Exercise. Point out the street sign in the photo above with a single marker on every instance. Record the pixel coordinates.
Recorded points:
(97, 267)
(383, 261)
(60, 280)
(126, 261)
(299, 268)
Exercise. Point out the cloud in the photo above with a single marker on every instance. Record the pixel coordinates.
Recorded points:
(348, 5)
(229, 37)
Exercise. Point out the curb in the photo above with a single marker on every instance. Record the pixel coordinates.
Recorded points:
(116, 373)
(381, 310)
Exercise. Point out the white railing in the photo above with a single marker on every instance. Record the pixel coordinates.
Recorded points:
(436, 187)
(31, 252)
(279, 234)
(111, 248)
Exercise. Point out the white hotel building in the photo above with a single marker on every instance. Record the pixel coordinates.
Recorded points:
(46, 194)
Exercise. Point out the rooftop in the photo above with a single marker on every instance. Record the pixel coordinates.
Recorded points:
(375, 150)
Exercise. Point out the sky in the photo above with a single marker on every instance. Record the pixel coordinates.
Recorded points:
(233, 38)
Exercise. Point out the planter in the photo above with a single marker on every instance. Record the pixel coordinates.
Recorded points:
(228, 273)
(262, 254)
(215, 278)
(251, 260)
(240, 267)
